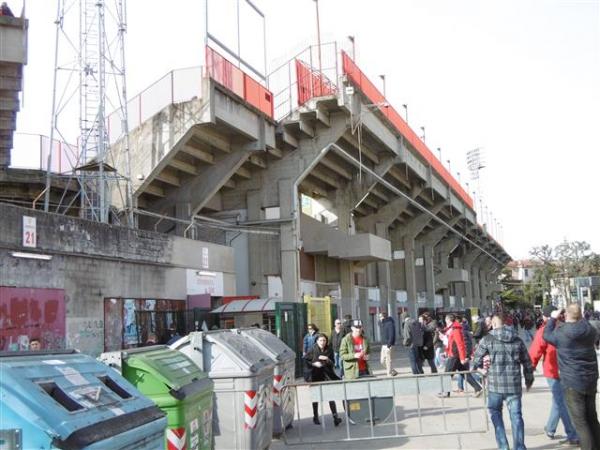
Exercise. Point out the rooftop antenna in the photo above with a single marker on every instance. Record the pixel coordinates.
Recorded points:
(89, 66)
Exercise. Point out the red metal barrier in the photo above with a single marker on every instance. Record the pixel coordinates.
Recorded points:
(311, 83)
(228, 75)
(372, 93)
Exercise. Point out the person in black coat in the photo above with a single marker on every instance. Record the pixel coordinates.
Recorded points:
(320, 359)
(429, 332)
(388, 340)
(578, 367)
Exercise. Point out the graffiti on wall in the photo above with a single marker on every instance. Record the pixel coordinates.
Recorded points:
(27, 313)
(85, 335)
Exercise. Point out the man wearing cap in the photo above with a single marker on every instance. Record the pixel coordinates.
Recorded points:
(354, 351)
(540, 348)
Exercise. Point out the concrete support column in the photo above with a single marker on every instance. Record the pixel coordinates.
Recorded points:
(429, 274)
(347, 288)
(468, 260)
(386, 300)
(182, 211)
(408, 244)
(290, 256)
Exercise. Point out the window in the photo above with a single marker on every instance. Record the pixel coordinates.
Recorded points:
(526, 272)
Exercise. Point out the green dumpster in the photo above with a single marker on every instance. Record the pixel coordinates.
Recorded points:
(177, 386)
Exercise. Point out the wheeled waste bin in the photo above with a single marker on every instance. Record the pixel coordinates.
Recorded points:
(177, 386)
(243, 377)
(67, 400)
(284, 374)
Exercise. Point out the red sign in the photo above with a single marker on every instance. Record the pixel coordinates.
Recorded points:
(27, 313)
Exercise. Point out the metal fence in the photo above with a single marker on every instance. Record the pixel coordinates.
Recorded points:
(177, 86)
(313, 72)
(382, 408)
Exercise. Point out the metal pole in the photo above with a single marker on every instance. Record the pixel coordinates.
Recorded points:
(125, 123)
(101, 152)
(53, 118)
(239, 43)
(319, 37)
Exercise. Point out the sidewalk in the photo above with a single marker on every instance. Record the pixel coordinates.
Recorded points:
(536, 406)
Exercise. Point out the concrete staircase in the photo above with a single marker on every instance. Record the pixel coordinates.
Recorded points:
(13, 55)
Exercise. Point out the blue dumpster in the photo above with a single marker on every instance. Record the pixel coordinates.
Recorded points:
(67, 400)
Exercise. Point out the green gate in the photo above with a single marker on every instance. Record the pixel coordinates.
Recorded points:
(290, 324)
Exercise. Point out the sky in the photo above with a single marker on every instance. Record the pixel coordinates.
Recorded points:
(519, 79)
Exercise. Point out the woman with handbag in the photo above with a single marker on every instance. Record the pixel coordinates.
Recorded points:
(320, 359)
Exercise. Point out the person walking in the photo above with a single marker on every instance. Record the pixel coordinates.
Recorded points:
(321, 360)
(413, 339)
(457, 353)
(578, 367)
(480, 330)
(309, 338)
(540, 348)
(388, 340)
(507, 354)
(429, 334)
(355, 351)
(336, 339)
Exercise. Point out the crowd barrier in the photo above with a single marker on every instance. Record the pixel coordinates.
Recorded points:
(383, 408)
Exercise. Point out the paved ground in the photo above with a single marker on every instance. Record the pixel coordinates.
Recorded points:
(536, 406)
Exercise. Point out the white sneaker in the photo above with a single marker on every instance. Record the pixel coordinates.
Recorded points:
(351, 422)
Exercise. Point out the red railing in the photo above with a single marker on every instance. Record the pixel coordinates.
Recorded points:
(311, 83)
(231, 77)
(357, 77)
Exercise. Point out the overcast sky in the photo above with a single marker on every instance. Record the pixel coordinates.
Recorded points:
(518, 78)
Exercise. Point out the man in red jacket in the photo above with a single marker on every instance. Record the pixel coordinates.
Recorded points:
(457, 353)
(540, 348)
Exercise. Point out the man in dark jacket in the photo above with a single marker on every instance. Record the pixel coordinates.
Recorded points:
(388, 340)
(429, 331)
(337, 334)
(412, 335)
(578, 368)
(507, 353)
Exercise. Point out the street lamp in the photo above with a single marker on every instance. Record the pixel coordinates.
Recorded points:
(449, 170)
(423, 130)
(351, 39)
(383, 80)
(405, 106)
(439, 154)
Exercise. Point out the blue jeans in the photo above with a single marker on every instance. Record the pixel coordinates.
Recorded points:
(559, 411)
(416, 362)
(338, 365)
(513, 401)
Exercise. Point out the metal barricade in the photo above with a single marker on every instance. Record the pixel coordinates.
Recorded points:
(383, 408)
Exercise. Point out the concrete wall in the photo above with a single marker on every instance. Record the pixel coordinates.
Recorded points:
(93, 261)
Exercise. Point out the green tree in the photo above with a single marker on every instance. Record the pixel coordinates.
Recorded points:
(544, 255)
(571, 260)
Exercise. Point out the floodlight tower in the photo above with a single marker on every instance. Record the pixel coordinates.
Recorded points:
(89, 48)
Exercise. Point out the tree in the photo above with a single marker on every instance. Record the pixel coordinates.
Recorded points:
(571, 260)
(547, 270)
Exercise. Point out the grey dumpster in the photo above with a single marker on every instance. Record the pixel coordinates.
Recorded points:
(285, 365)
(243, 382)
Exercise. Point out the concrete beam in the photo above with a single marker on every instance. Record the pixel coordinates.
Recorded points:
(419, 222)
(335, 167)
(183, 166)
(438, 233)
(201, 155)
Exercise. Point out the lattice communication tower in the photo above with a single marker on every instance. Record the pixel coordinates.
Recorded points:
(90, 82)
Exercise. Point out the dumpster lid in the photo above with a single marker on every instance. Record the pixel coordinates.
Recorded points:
(171, 367)
(271, 344)
(63, 394)
(241, 355)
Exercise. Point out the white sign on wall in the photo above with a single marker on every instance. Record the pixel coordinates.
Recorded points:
(29, 232)
(398, 254)
(204, 282)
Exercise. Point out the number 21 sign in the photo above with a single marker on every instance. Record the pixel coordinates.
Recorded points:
(29, 232)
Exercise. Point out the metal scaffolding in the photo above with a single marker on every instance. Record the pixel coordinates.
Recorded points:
(89, 66)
